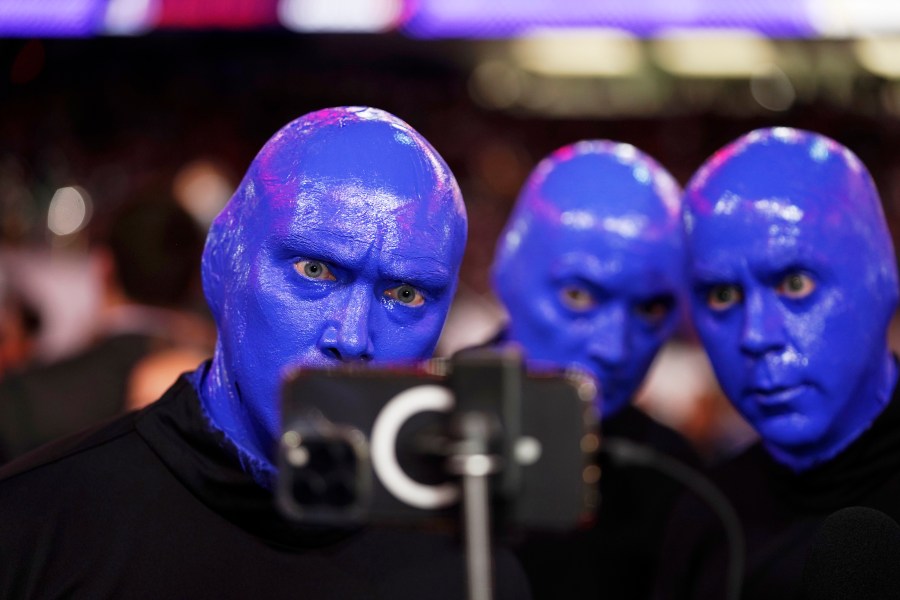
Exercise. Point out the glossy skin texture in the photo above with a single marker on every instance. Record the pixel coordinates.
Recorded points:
(794, 283)
(589, 266)
(342, 243)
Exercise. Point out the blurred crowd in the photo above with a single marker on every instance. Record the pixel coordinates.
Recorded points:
(142, 327)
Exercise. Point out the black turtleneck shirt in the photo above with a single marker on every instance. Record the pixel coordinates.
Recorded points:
(781, 512)
(155, 505)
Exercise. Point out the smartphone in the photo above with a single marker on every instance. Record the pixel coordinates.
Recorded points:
(373, 444)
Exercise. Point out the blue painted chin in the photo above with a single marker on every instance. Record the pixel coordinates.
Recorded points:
(342, 243)
(590, 265)
(794, 283)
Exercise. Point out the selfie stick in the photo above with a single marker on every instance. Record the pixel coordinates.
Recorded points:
(470, 460)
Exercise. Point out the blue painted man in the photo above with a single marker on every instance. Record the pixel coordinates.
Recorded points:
(794, 283)
(589, 266)
(342, 243)
(589, 269)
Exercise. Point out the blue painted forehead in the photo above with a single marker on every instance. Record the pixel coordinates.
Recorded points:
(603, 178)
(806, 178)
(610, 187)
(379, 157)
(355, 145)
(791, 166)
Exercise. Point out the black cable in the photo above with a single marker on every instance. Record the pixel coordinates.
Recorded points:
(624, 452)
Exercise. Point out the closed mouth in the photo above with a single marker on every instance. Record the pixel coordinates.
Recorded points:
(777, 399)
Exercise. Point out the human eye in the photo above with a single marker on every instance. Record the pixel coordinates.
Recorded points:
(314, 269)
(721, 297)
(577, 298)
(796, 285)
(405, 294)
(655, 310)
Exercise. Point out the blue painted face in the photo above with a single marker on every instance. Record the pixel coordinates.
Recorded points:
(589, 266)
(343, 243)
(795, 282)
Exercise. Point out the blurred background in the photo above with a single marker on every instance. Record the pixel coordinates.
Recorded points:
(103, 102)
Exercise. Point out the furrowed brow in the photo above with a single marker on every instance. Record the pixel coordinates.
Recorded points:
(425, 273)
(329, 247)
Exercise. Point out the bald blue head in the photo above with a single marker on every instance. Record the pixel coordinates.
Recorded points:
(342, 243)
(589, 266)
(794, 283)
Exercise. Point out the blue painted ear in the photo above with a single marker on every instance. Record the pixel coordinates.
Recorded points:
(220, 267)
(211, 269)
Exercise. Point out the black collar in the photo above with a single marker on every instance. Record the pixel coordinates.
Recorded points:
(203, 459)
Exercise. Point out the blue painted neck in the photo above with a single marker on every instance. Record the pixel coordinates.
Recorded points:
(221, 402)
